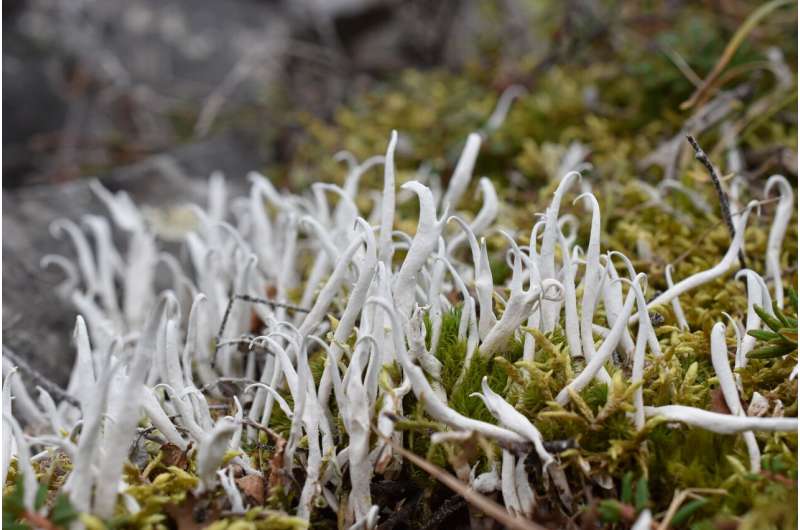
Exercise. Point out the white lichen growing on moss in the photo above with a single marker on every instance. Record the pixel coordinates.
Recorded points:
(294, 299)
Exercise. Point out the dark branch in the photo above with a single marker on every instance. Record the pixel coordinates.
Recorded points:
(716, 179)
(52, 388)
(252, 300)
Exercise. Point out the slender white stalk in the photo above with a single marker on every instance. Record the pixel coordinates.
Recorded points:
(29, 483)
(535, 318)
(353, 309)
(309, 410)
(287, 276)
(231, 491)
(592, 279)
(482, 221)
(722, 367)
(387, 204)
(331, 288)
(292, 379)
(139, 277)
(72, 276)
(126, 415)
(7, 434)
(210, 452)
(462, 174)
(125, 213)
(82, 479)
(323, 235)
(83, 372)
(435, 296)
(197, 347)
(487, 482)
(49, 407)
(612, 301)
(500, 111)
(108, 264)
(547, 267)
(357, 422)
(777, 232)
(638, 356)
(484, 284)
(700, 278)
(175, 377)
(571, 319)
(756, 294)
(680, 316)
(160, 419)
(357, 170)
(24, 405)
(512, 419)
(508, 484)
(518, 308)
(721, 423)
(86, 262)
(525, 495)
(369, 521)
(602, 355)
(424, 243)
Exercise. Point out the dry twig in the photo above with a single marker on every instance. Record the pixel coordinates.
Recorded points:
(479, 501)
(38, 378)
(716, 179)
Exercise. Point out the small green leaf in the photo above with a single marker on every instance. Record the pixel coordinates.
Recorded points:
(609, 511)
(684, 513)
(773, 323)
(769, 352)
(777, 464)
(778, 313)
(761, 334)
(63, 512)
(642, 494)
(41, 496)
(627, 487)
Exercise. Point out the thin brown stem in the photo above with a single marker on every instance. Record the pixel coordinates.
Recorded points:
(716, 179)
(252, 300)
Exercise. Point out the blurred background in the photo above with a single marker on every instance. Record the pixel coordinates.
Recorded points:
(152, 96)
(91, 86)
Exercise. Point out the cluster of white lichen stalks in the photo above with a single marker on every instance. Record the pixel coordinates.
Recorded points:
(145, 354)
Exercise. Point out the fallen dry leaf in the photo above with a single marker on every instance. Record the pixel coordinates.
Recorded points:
(253, 486)
(173, 456)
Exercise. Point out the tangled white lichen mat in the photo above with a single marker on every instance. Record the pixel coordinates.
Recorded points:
(369, 300)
